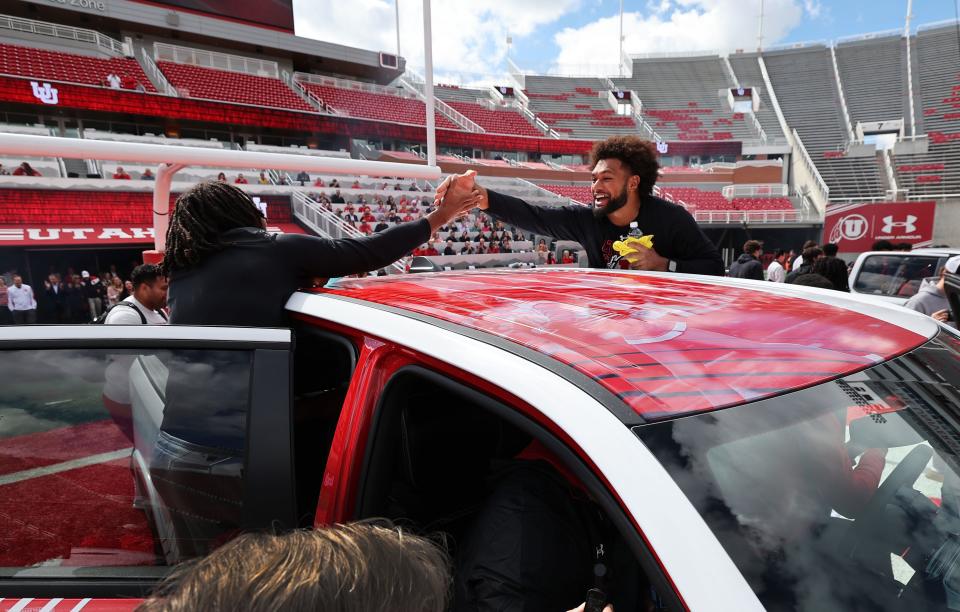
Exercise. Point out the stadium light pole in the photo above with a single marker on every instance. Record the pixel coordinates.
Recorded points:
(428, 86)
(396, 8)
(760, 29)
(620, 56)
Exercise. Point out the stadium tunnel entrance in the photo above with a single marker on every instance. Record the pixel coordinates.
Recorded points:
(36, 264)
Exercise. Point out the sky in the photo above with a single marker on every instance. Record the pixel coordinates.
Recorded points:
(580, 36)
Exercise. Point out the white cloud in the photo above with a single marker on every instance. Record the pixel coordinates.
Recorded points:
(681, 25)
(469, 37)
(813, 8)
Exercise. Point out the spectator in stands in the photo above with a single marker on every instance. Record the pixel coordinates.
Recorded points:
(931, 299)
(217, 241)
(464, 236)
(222, 177)
(147, 175)
(467, 249)
(121, 174)
(542, 246)
(262, 179)
(775, 271)
(365, 228)
(335, 184)
(367, 216)
(113, 81)
(493, 248)
(283, 179)
(807, 259)
(94, 292)
(75, 300)
(834, 270)
(22, 302)
(52, 307)
(551, 258)
(351, 568)
(380, 226)
(481, 235)
(319, 182)
(6, 317)
(25, 169)
(114, 291)
(481, 246)
(882, 245)
(336, 198)
(408, 217)
(624, 173)
(506, 246)
(240, 180)
(748, 264)
(3, 171)
(449, 250)
(356, 184)
(431, 250)
(567, 257)
(127, 289)
(303, 178)
(797, 261)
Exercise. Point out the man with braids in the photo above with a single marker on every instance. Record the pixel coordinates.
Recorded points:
(624, 172)
(216, 244)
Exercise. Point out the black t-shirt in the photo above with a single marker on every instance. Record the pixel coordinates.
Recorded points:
(676, 234)
(249, 282)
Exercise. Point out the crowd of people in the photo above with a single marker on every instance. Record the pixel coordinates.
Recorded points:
(24, 169)
(70, 297)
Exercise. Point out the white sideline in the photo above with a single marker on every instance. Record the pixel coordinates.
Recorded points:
(65, 466)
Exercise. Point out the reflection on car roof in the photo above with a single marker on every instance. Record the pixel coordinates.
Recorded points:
(664, 345)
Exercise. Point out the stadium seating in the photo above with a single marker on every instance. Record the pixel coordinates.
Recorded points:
(240, 87)
(747, 70)
(574, 107)
(680, 99)
(937, 56)
(69, 67)
(378, 106)
(874, 77)
(501, 121)
(806, 89)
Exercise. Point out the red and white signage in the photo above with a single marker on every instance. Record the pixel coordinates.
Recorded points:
(855, 227)
(79, 235)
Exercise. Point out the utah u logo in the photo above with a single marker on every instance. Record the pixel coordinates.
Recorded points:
(909, 225)
(46, 94)
(661, 147)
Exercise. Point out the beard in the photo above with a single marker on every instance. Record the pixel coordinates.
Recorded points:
(613, 205)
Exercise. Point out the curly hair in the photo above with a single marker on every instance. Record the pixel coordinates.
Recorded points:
(200, 215)
(636, 153)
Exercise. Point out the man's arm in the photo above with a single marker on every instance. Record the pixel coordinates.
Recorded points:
(563, 222)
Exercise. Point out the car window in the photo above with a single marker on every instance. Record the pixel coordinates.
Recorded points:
(842, 496)
(119, 458)
(894, 274)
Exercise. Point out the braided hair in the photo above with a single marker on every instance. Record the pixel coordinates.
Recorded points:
(200, 215)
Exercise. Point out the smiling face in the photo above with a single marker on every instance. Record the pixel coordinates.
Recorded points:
(612, 185)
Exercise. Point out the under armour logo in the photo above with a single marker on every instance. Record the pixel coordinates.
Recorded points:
(46, 94)
(661, 147)
(740, 91)
(909, 226)
(600, 551)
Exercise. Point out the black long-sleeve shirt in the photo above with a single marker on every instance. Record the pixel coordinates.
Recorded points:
(249, 282)
(676, 234)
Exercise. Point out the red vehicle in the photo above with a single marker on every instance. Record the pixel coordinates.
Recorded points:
(756, 446)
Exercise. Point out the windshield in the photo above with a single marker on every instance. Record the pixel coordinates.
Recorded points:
(894, 275)
(843, 496)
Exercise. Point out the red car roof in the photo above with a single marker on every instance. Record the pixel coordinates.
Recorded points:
(665, 346)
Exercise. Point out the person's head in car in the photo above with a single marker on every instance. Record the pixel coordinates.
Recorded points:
(882, 245)
(149, 286)
(830, 249)
(359, 567)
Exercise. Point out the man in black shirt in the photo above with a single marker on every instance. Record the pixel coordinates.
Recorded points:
(624, 173)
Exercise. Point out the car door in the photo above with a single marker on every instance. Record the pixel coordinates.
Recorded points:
(125, 450)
